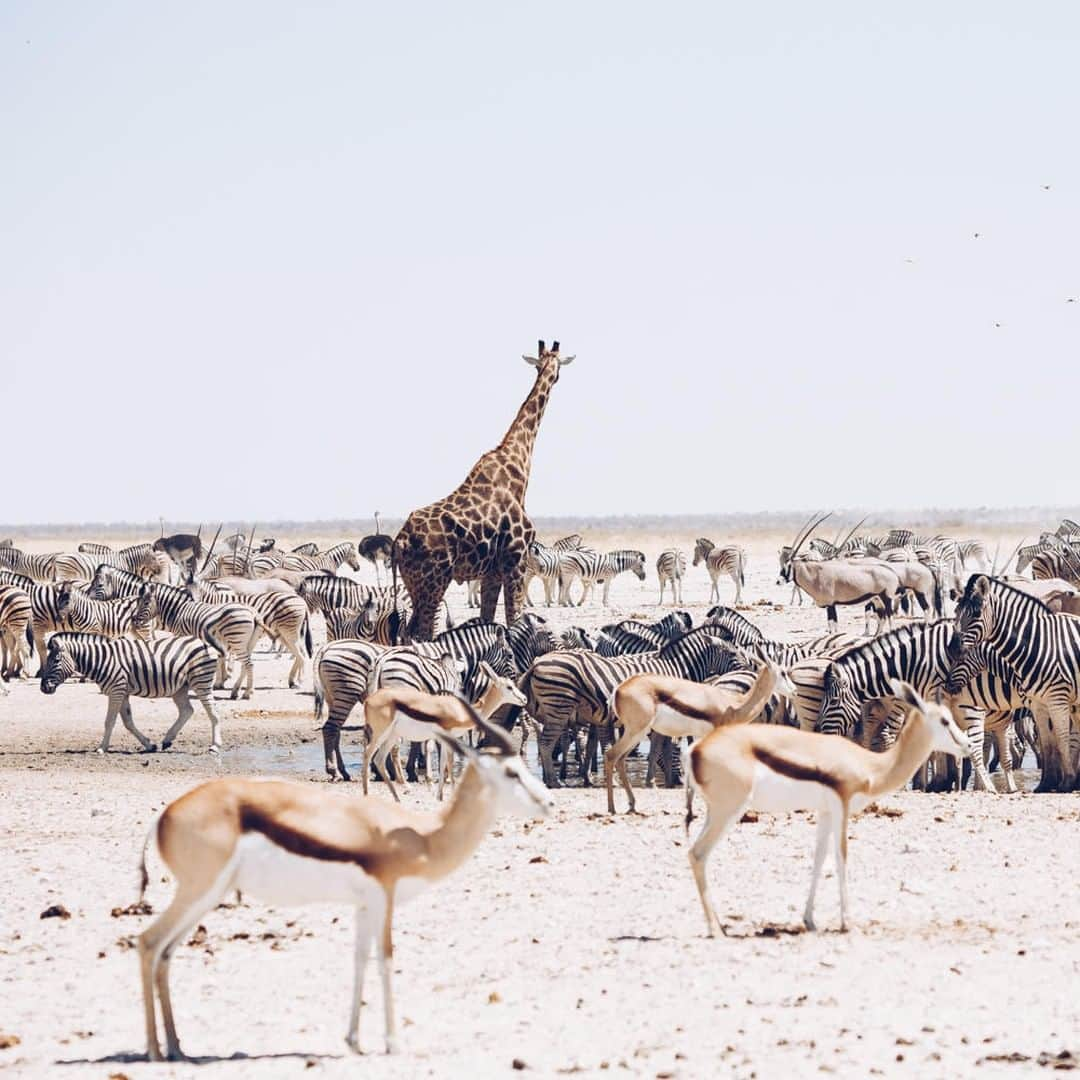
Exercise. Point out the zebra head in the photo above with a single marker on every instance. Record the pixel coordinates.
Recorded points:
(638, 564)
(840, 706)
(974, 617)
(702, 547)
(59, 665)
(63, 598)
(146, 609)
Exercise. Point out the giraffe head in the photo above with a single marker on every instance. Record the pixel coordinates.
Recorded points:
(548, 358)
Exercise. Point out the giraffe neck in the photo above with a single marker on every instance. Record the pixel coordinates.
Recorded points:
(516, 447)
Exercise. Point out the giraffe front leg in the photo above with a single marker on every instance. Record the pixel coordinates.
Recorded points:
(489, 597)
(513, 585)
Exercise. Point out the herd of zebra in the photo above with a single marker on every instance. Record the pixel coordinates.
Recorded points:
(1007, 662)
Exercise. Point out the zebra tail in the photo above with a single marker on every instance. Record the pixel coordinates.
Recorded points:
(742, 571)
(449, 617)
(214, 642)
(939, 595)
(307, 635)
(151, 834)
(320, 691)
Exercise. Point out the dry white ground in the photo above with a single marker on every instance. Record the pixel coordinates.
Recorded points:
(572, 946)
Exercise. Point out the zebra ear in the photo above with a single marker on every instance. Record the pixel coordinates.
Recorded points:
(982, 586)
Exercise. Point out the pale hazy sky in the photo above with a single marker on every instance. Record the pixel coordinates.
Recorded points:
(264, 260)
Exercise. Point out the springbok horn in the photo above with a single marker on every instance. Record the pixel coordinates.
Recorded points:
(206, 561)
(247, 561)
(993, 562)
(198, 534)
(162, 520)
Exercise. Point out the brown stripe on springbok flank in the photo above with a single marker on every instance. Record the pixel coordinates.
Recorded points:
(794, 770)
(683, 709)
(252, 819)
(416, 714)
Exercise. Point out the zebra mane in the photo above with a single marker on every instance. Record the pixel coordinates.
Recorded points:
(901, 634)
(997, 585)
(700, 631)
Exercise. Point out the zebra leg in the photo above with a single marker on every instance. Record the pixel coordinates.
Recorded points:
(1002, 741)
(1050, 746)
(184, 708)
(215, 723)
(973, 721)
(129, 723)
(334, 762)
(550, 733)
(111, 712)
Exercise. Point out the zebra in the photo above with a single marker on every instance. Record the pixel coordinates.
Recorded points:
(564, 686)
(1056, 563)
(342, 672)
(139, 559)
(110, 618)
(945, 548)
(732, 626)
(45, 615)
(542, 562)
(332, 559)
(577, 637)
(326, 592)
(919, 655)
(232, 629)
(730, 560)
(1068, 530)
(36, 566)
(1041, 648)
(631, 636)
(596, 569)
(670, 567)
(15, 615)
(283, 615)
(176, 667)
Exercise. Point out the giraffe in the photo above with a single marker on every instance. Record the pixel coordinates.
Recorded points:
(480, 530)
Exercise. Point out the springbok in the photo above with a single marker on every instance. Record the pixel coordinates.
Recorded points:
(680, 708)
(401, 711)
(294, 843)
(837, 582)
(777, 769)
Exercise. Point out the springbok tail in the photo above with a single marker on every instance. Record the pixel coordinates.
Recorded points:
(151, 834)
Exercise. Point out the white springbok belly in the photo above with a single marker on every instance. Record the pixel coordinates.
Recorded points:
(405, 727)
(779, 794)
(276, 876)
(669, 721)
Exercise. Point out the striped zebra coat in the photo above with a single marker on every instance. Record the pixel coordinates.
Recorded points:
(45, 615)
(343, 554)
(176, 667)
(232, 629)
(36, 567)
(15, 614)
(112, 618)
(918, 655)
(281, 613)
(1043, 652)
(567, 687)
(730, 625)
(631, 636)
(343, 674)
(730, 560)
(592, 569)
(671, 567)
